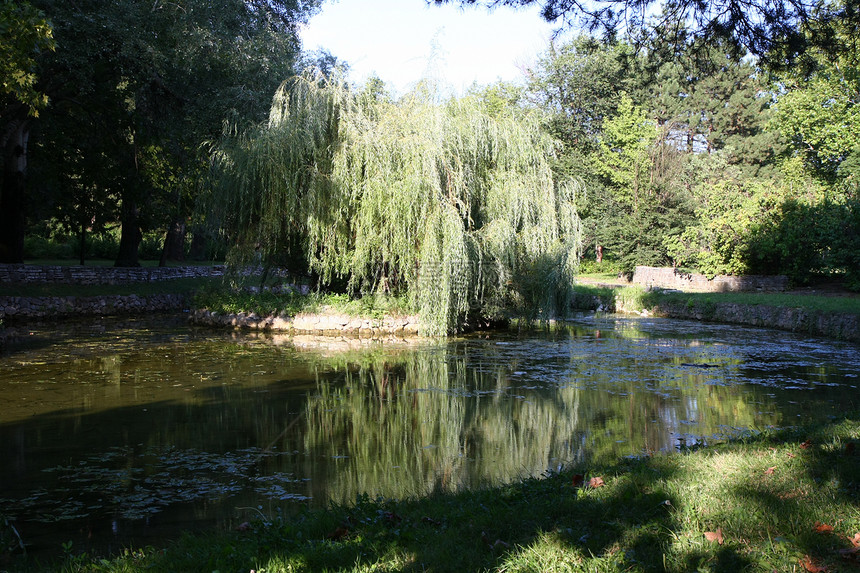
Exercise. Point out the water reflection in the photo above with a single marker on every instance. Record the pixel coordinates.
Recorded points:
(132, 428)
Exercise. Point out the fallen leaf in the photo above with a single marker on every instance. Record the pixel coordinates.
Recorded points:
(822, 527)
(791, 455)
(852, 553)
(806, 445)
(596, 482)
(769, 471)
(577, 480)
(807, 563)
(715, 535)
(391, 517)
(338, 534)
(855, 540)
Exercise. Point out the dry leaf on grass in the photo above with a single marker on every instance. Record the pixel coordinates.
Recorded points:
(806, 445)
(769, 471)
(822, 527)
(807, 563)
(853, 553)
(596, 482)
(338, 534)
(498, 543)
(855, 540)
(715, 535)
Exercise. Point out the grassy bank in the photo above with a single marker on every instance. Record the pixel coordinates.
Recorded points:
(224, 301)
(835, 317)
(187, 286)
(776, 501)
(637, 298)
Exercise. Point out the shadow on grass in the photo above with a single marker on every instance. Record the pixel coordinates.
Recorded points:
(648, 516)
(805, 495)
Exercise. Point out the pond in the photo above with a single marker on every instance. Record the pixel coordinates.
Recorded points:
(118, 432)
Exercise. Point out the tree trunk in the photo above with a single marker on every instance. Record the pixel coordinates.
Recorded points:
(12, 188)
(130, 236)
(197, 251)
(174, 243)
(83, 247)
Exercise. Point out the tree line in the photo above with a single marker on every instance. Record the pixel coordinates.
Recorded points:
(696, 157)
(106, 105)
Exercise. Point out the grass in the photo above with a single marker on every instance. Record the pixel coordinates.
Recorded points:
(215, 294)
(267, 303)
(635, 297)
(776, 501)
(173, 286)
(110, 263)
(850, 305)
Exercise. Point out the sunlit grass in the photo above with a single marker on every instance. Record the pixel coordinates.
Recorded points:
(637, 298)
(266, 303)
(846, 304)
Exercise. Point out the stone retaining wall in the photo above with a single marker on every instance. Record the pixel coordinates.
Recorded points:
(332, 324)
(16, 308)
(83, 275)
(669, 278)
(842, 326)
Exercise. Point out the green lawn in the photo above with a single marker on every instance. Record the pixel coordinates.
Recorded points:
(174, 286)
(110, 263)
(637, 297)
(846, 304)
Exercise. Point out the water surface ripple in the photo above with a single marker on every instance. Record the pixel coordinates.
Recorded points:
(125, 431)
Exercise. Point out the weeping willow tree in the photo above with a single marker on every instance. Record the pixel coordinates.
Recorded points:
(438, 200)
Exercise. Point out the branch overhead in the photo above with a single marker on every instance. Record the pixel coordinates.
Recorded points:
(778, 32)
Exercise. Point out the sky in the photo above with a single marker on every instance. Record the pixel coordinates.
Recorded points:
(403, 41)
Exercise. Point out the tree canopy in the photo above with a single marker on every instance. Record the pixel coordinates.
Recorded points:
(701, 159)
(438, 200)
(777, 32)
(24, 33)
(136, 87)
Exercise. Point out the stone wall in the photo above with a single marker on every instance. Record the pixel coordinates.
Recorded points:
(83, 275)
(669, 278)
(15, 307)
(842, 326)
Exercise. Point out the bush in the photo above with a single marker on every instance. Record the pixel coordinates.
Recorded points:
(37, 247)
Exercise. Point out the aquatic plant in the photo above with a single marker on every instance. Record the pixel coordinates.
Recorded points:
(442, 200)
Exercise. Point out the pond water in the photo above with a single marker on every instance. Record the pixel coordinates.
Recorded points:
(115, 432)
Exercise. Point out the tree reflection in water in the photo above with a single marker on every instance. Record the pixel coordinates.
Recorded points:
(156, 423)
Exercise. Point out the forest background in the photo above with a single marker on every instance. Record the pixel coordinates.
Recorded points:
(201, 130)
